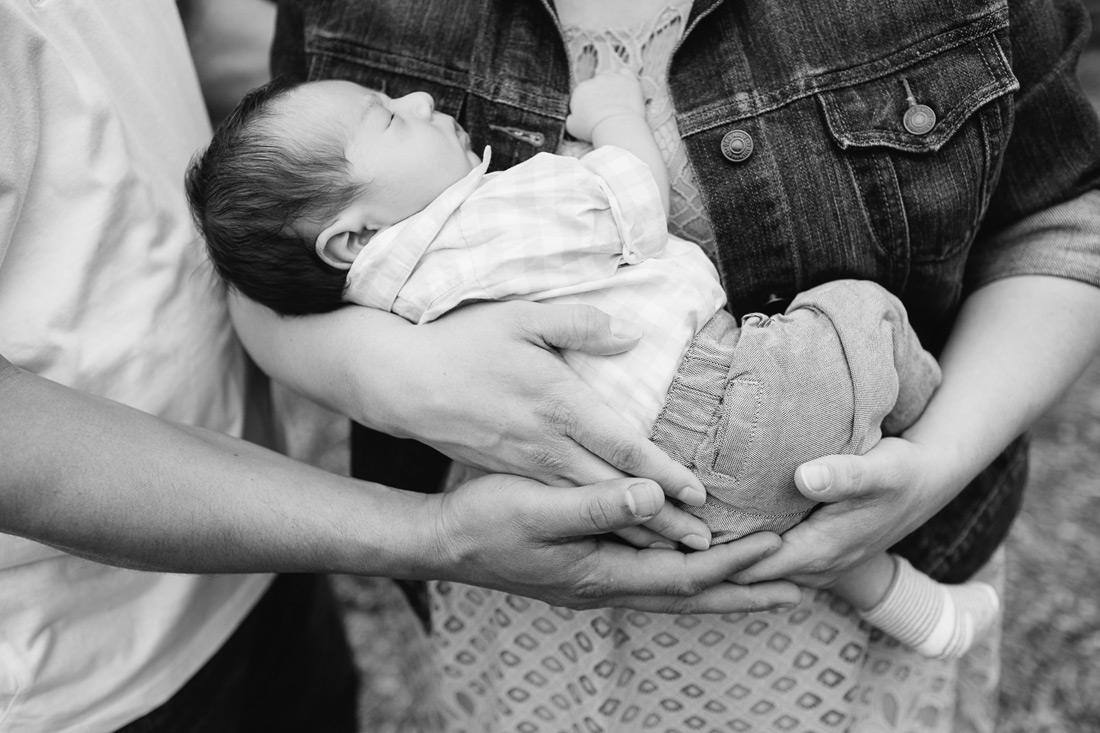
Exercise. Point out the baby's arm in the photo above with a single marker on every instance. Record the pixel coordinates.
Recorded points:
(609, 109)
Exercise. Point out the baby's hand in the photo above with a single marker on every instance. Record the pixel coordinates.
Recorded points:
(602, 97)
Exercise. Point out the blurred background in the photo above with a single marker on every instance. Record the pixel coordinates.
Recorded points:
(1051, 651)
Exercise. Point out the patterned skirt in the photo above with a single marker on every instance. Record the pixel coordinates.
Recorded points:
(507, 663)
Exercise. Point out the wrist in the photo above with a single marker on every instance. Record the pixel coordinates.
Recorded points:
(945, 466)
(392, 534)
(617, 124)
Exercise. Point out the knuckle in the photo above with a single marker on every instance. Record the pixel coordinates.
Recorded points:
(681, 605)
(545, 457)
(819, 565)
(560, 415)
(624, 454)
(600, 515)
(684, 587)
(585, 320)
(851, 475)
(590, 592)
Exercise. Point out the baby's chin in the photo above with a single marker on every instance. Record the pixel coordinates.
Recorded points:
(474, 158)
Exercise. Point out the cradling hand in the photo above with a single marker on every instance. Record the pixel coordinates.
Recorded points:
(490, 389)
(513, 534)
(870, 502)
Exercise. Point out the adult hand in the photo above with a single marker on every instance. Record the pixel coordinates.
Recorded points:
(485, 385)
(493, 392)
(513, 534)
(870, 502)
(503, 400)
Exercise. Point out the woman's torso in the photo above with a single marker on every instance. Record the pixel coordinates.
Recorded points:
(792, 117)
(797, 82)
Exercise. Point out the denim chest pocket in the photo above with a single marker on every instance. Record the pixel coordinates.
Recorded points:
(923, 142)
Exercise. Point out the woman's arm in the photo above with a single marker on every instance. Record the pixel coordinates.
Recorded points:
(115, 485)
(1017, 345)
(1026, 331)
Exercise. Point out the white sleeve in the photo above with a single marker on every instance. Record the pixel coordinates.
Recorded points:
(635, 200)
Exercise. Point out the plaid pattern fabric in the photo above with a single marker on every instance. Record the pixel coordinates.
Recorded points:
(560, 230)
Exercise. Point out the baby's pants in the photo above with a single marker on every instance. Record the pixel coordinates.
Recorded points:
(749, 404)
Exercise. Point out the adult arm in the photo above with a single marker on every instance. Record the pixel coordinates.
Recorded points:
(485, 385)
(1029, 325)
(1018, 344)
(112, 484)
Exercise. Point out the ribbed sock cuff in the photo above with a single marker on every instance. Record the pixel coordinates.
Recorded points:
(911, 607)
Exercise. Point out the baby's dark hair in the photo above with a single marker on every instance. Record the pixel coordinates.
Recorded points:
(250, 191)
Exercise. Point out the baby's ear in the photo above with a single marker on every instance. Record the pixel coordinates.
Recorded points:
(339, 244)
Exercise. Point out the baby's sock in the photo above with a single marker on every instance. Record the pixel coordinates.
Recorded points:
(937, 620)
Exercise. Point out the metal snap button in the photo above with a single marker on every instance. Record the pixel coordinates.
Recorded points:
(919, 119)
(737, 146)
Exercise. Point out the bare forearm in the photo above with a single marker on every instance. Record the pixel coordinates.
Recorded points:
(341, 359)
(1018, 344)
(106, 482)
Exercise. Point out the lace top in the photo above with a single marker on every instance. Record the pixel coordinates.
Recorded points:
(646, 49)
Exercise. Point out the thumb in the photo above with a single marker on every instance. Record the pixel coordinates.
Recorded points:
(584, 328)
(600, 508)
(832, 478)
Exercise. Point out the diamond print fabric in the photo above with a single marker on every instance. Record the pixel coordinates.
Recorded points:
(509, 663)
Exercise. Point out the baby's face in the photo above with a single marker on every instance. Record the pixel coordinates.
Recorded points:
(403, 148)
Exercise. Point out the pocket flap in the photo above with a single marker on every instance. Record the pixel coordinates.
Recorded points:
(954, 83)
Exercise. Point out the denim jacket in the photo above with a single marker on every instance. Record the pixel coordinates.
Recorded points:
(894, 145)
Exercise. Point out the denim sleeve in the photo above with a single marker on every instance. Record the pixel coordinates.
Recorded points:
(1043, 217)
(1062, 240)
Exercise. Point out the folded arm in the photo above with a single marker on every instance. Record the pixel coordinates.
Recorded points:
(1018, 344)
(1029, 326)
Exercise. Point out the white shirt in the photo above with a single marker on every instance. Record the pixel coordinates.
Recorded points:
(103, 288)
(554, 229)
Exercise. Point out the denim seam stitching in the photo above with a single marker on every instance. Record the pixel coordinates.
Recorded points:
(699, 120)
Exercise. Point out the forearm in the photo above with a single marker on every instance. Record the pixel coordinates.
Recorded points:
(339, 359)
(111, 484)
(1017, 345)
(106, 482)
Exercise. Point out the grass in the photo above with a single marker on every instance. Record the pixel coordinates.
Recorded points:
(1051, 651)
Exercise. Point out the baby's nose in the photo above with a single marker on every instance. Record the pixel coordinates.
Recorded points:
(419, 103)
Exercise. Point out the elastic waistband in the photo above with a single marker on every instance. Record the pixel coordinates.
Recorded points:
(698, 387)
